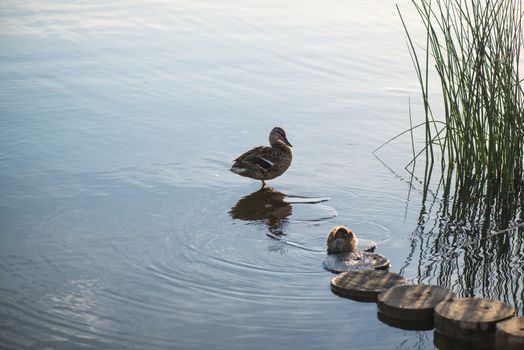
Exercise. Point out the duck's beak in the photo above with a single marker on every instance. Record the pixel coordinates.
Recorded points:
(287, 142)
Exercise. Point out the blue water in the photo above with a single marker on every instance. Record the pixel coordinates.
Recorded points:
(119, 121)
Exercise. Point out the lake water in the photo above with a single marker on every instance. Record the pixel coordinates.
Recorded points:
(121, 226)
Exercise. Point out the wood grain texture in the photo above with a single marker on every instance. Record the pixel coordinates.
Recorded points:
(364, 285)
(413, 303)
(471, 318)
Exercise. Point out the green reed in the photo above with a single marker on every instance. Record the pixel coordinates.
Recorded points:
(470, 232)
(474, 48)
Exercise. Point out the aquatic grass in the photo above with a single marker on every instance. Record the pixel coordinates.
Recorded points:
(474, 49)
(470, 232)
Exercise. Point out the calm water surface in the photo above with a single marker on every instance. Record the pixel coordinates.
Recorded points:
(121, 226)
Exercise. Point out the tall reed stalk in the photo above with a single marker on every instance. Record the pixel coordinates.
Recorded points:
(474, 48)
(474, 244)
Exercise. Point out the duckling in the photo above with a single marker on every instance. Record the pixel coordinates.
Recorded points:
(265, 162)
(341, 240)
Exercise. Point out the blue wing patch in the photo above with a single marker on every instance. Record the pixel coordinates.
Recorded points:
(264, 163)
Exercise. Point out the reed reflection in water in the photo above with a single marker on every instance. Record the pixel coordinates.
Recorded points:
(470, 240)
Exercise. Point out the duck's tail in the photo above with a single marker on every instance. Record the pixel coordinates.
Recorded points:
(237, 170)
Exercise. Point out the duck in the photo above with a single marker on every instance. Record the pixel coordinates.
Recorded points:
(343, 254)
(341, 240)
(266, 162)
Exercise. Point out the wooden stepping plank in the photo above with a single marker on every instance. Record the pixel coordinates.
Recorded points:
(414, 303)
(364, 285)
(355, 261)
(471, 319)
(510, 333)
(366, 245)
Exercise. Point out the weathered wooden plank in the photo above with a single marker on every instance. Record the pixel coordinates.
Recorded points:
(414, 303)
(355, 261)
(471, 318)
(364, 285)
(510, 333)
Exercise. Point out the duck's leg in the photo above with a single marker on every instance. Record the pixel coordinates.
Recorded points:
(263, 184)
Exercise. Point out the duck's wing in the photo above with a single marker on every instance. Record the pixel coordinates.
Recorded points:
(260, 158)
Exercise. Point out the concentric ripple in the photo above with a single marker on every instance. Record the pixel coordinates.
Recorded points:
(121, 227)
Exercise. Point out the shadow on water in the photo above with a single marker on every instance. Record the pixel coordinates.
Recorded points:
(470, 238)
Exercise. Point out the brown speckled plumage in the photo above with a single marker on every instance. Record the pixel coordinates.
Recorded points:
(341, 240)
(265, 162)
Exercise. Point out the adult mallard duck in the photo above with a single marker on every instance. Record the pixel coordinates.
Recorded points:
(265, 162)
(341, 240)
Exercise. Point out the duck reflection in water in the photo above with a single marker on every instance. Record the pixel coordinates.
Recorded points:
(266, 205)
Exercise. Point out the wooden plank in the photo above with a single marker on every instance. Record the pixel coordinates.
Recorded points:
(366, 245)
(471, 318)
(364, 285)
(510, 333)
(355, 261)
(413, 303)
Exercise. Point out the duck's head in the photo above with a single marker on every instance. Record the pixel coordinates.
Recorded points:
(341, 240)
(276, 135)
